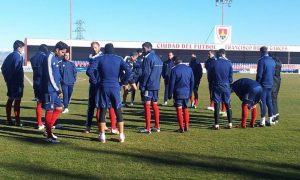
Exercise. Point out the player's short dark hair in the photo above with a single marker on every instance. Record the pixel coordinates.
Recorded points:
(147, 45)
(263, 50)
(176, 60)
(139, 50)
(211, 51)
(221, 51)
(95, 42)
(43, 48)
(18, 44)
(134, 54)
(61, 45)
(109, 48)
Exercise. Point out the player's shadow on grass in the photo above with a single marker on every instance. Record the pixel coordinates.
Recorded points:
(22, 107)
(79, 103)
(41, 170)
(77, 99)
(17, 133)
(213, 164)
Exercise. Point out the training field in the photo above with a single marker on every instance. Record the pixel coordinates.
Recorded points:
(201, 153)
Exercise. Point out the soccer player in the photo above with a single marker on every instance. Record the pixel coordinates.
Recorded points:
(150, 84)
(13, 73)
(167, 66)
(249, 92)
(68, 74)
(137, 71)
(221, 75)
(51, 90)
(93, 87)
(264, 76)
(198, 72)
(208, 62)
(131, 61)
(109, 68)
(37, 68)
(181, 86)
(276, 87)
(93, 101)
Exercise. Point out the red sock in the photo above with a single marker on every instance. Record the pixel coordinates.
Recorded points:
(17, 111)
(48, 118)
(186, 117)
(253, 116)
(39, 112)
(179, 117)
(156, 114)
(211, 104)
(98, 113)
(244, 114)
(112, 115)
(8, 110)
(147, 115)
(55, 116)
(223, 107)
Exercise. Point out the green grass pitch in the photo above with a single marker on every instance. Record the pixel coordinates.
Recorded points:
(201, 153)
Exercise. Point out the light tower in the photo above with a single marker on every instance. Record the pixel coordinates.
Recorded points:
(70, 38)
(223, 2)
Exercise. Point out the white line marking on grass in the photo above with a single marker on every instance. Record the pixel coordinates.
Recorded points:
(29, 81)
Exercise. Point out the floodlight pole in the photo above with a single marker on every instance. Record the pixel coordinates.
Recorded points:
(223, 2)
(222, 14)
(70, 29)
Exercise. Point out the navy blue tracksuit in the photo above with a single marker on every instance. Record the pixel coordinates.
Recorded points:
(51, 83)
(207, 65)
(264, 76)
(198, 72)
(181, 84)
(276, 86)
(93, 88)
(36, 64)
(220, 74)
(166, 71)
(150, 80)
(249, 91)
(68, 74)
(13, 73)
(109, 68)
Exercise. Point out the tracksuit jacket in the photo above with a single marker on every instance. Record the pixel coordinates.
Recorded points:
(197, 70)
(265, 71)
(244, 86)
(37, 68)
(181, 82)
(91, 71)
(207, 66)
(51, 76)
(109, 68)
(12, 69)
(152, 68)
(166, 71)
(68, 72)
(220, 72)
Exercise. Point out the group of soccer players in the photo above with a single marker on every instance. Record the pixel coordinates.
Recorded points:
(54, 76)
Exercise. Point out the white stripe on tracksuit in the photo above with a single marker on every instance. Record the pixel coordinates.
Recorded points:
(50, 72)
